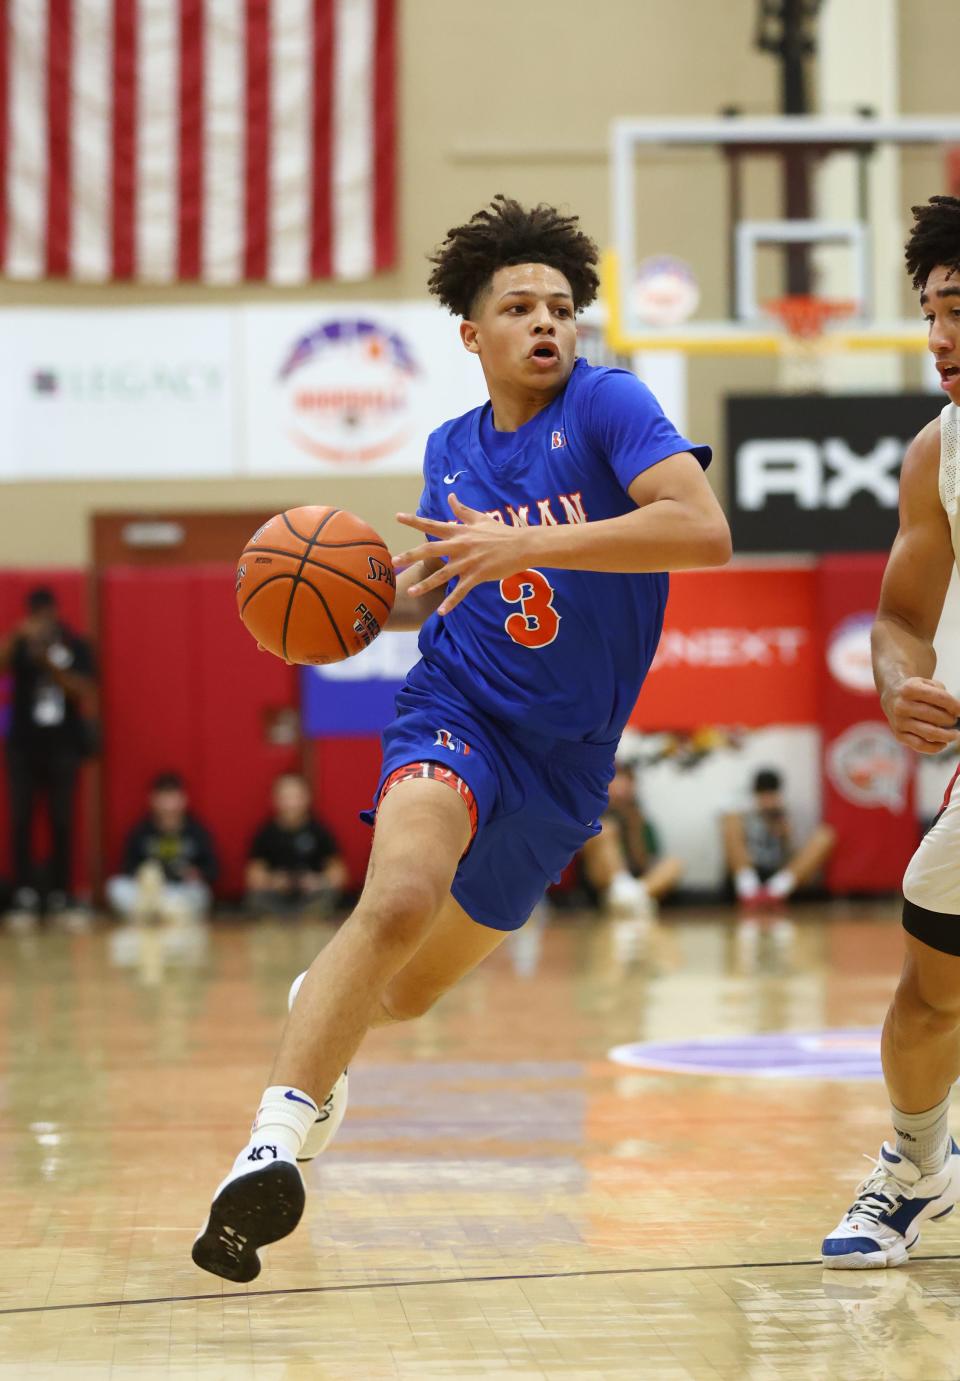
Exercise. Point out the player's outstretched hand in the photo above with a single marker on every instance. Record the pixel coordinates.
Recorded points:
(923, 714)
(476, 546)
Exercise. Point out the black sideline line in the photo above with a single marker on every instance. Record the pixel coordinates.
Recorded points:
(443, 1280)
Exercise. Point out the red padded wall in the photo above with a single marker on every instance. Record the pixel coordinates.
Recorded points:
(70, 587)
(868, 778)
(185, 690)
(345, 774)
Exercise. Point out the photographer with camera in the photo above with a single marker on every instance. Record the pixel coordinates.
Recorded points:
(53, 674)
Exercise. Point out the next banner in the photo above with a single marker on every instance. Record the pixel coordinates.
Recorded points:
(738, 647)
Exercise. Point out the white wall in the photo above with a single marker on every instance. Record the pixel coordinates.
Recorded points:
(685, 805)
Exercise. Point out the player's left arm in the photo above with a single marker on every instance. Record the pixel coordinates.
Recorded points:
(677, 525)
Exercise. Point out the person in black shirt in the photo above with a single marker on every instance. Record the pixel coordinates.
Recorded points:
(294, 860)
(169, 862)
(53, 681)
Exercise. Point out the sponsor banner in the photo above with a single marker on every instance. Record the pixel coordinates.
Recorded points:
(351, 388)
(738, 647)
(357, 696)
(134, 393)
(819, 474)
(868, 778)
(837, 1055)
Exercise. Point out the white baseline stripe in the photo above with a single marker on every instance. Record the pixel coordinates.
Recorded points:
(353, 139)
(91, 125)
(291, 90)
(222, 257)
(27, 170)
(157, 123)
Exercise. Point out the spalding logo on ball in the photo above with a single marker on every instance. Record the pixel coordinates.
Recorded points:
(315, 585)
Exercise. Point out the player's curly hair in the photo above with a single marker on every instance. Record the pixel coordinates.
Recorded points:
(934, 239)
(506, 233)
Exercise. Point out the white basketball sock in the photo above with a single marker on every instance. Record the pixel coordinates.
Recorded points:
(285, 1116)
(923, 1137)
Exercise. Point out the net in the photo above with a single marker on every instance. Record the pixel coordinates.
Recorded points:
(806, 345)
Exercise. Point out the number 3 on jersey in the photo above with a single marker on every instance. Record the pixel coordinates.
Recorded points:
(537, 622)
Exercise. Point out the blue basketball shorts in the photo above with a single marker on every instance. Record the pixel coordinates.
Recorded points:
(537, 800)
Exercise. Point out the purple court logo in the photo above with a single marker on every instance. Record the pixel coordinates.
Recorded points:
(838, 1055)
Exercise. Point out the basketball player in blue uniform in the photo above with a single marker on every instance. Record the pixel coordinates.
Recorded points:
(548, 521)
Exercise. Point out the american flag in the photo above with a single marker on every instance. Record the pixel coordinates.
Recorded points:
(211, 140)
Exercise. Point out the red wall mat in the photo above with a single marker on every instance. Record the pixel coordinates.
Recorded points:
(868, 777)
(186, 690)
(346, 772)
(71, 590)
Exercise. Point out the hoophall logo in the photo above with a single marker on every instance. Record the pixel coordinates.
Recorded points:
(848, 654)
(868, 767)
(348, 388)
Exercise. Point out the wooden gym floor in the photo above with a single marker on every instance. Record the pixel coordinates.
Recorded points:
(503, 1199)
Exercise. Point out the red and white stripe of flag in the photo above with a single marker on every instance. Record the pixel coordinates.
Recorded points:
(218, 140)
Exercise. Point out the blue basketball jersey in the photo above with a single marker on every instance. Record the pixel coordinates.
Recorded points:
(557, 652)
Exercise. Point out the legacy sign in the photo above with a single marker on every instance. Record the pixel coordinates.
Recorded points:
(818, 474)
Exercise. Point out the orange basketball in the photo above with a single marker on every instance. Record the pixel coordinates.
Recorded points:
(315, 585)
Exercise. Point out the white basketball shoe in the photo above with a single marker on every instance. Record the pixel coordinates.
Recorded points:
(260, 1201)
(332, 1108)
(882, 1225)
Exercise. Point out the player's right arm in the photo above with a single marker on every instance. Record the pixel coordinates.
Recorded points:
(410, 611)
(922, 712)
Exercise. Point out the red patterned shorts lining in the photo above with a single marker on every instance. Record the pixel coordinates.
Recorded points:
(433, 771)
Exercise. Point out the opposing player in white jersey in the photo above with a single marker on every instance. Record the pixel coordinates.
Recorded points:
(917, 1178)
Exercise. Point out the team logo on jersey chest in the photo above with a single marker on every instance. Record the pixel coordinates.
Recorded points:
(558, 439)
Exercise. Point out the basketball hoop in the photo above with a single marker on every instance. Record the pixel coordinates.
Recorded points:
(806, 342)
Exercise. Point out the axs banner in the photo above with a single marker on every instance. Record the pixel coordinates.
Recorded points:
(816, 473)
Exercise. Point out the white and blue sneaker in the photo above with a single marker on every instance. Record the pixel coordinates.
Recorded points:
(260, 1201)
(332, 1108)
(882, 1226)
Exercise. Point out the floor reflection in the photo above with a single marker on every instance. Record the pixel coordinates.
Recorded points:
(600, 1220)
